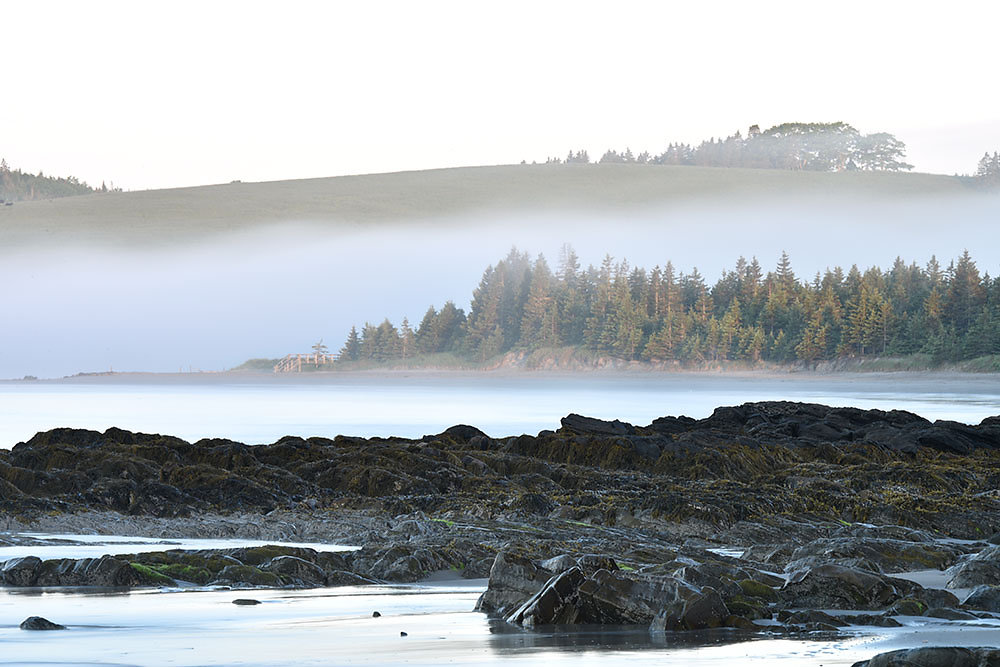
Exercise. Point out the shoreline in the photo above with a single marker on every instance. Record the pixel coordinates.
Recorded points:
(638, 371)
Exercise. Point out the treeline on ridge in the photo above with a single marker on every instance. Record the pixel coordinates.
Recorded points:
(950, 313)
(795, 146)
(17, 185)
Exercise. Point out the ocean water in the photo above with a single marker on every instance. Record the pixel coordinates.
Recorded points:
(262, 408)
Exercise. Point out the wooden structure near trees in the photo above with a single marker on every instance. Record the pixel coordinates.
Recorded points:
(294, 363)
(315, 360)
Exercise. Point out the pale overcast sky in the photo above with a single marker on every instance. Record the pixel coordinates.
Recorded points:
(153, 95)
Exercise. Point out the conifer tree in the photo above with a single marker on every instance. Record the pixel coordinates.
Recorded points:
(352, 347)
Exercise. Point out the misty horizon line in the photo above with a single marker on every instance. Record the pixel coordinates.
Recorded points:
(114, 186)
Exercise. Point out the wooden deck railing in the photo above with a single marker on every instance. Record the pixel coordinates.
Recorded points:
(292, 363)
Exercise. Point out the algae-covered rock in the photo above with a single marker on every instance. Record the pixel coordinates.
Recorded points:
(246, 575)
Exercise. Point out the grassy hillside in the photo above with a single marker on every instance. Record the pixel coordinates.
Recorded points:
(186, 214)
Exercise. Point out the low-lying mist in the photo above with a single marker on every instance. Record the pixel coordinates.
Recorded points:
(213, 305)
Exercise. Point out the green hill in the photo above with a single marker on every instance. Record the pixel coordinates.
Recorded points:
(352, 202)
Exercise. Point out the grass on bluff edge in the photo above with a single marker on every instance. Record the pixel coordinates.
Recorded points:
(344, 203)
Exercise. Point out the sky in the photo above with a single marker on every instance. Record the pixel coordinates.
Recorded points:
(155, 94)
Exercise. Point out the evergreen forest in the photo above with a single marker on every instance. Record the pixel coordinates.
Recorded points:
(17, 185)
(949, 313)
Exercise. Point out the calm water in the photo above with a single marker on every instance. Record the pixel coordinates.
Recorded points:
(260, 409)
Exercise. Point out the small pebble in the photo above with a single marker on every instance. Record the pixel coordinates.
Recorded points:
(375, 614)
(402, 634)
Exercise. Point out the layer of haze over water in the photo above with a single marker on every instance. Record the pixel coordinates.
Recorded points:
(212, 304)
(262, 409)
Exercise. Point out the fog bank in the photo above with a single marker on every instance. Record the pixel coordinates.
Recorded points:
(212, 305)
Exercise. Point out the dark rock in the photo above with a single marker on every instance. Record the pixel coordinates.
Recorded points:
(805, 617)
(876, 620)
(533, 503)
(935, 597)
(376, 614)
(403, 634)
(21, 571)
(702, 611)
(937, 656)
(513, 579)
(104, 571)
(884, 555)
(949, 614)
(838, 587)
(909, 607)
(616, 599)
(556, 603)
(984, 598)
(982, 568)
(343, 578)
(459, 433)
(246, 575)
(296, 571)
(245, 602)
(39, 623)
(593, 426)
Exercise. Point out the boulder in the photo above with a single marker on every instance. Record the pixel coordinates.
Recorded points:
(39, 623)
(950, 614)
(594, 426)
(880, 555)
(979, 569)
(557, 603)
(246, 576)
(616, 598)
(104, 571)
(701, 611)
(513, 579)
(877, 620)
(809, 616)
(984, 598)
(838, 587)
(20, 571)
(936, 656)
(296, 571)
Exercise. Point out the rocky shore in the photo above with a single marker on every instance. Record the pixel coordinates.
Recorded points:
(765, 517)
